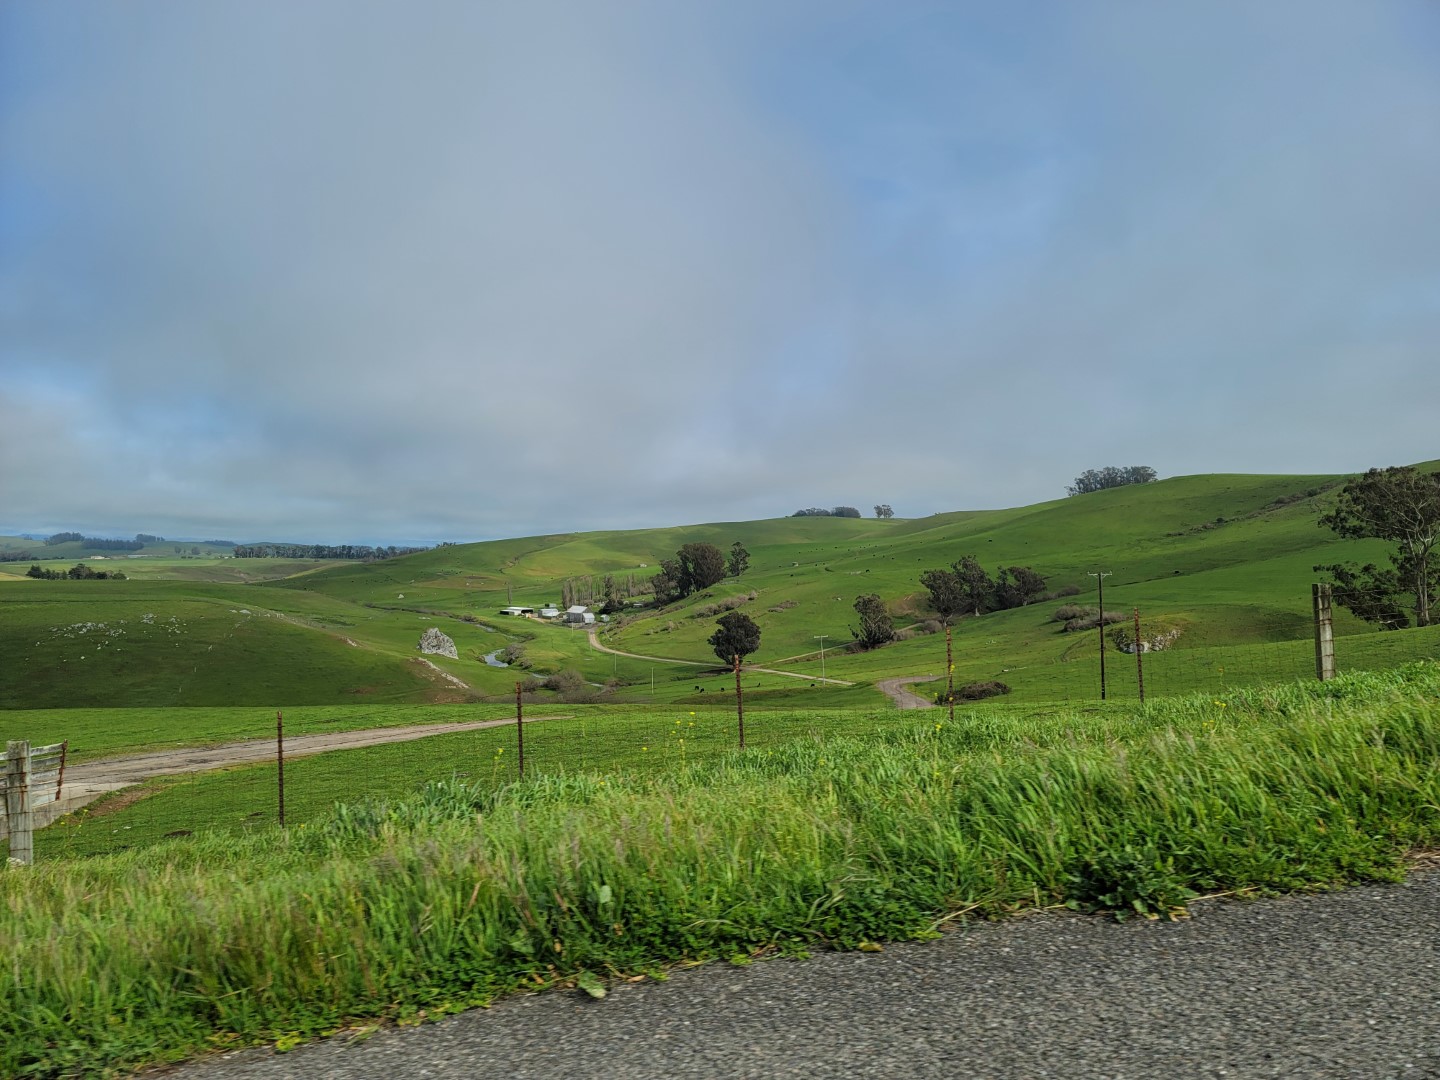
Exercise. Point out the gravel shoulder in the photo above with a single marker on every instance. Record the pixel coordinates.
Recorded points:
(1343, 984)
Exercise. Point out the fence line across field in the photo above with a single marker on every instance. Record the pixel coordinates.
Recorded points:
(293, 784)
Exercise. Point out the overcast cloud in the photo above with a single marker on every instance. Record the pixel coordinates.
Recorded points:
(409, 272)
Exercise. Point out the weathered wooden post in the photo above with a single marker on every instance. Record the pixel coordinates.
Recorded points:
(1324, 632)
(739, 702)
(280, 763)
(519, 731)
(1139, 651)
(17, 802)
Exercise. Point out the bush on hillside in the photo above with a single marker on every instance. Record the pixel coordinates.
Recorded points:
(975, 691)
(730, 603)
(929, 626)
(1093, 619)
(571, 687)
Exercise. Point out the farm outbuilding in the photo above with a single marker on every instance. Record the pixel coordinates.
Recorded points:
(579, 614)
(516, 610)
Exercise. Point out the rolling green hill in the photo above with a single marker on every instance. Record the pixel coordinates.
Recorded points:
(1225, 560)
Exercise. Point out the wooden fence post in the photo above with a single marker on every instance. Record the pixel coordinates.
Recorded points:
(280, 763)
(17, 802)
(1139, 652)
(739, 702)
(519, 731)
(1324, 632)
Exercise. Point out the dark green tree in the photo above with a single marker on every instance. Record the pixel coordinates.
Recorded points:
(976, 586)
(666, 583)
(876, 626)
(739, 559)
(882, 510)
(1402, 506)
(738, 636)
(701, 565)
(1017, 586)
(612, 603)
(947, 599)
(1369, 592)
(1111, 476)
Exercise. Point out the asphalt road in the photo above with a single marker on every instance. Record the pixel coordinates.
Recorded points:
(1343, 984)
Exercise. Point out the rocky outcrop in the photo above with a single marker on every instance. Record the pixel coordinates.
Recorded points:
(434, 643)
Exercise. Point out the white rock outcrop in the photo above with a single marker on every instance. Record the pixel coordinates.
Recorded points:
(434, 643)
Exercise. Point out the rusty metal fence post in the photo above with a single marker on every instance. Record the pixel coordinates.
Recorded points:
(739, 702)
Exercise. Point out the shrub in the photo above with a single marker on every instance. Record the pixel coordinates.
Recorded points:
(1066, 612)
(979, 691)
(929, 626)
(571, 687)
(1093, 619)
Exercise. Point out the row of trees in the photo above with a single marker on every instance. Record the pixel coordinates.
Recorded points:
(321, 551)
(610, 592)
(94, 542)
(78, 572)
(966, 589)
(834, 511)
(1111, 476)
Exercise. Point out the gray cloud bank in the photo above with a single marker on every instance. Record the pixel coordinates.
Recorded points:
(400, 272)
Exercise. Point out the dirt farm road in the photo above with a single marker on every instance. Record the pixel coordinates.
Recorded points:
(897, 691)
(595, 644)
(88, 781)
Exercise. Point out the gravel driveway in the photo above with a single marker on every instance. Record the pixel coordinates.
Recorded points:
(1343, 984)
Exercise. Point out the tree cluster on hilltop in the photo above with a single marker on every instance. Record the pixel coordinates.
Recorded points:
(94, 542)
(834, 511)
(1111, 476)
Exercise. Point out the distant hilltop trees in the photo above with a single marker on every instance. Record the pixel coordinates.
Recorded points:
(78, 572)
(834, 511)
(321, 551)
(94, 543)
(1111, 476)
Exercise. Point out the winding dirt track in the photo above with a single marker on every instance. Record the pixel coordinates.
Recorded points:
(595, 644)
(895, 690)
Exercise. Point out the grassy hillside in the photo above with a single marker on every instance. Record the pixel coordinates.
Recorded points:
(1224, 559)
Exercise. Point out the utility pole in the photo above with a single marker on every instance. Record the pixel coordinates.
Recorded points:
(1100, 584)
(822, 638)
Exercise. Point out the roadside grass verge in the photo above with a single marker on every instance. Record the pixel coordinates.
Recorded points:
(410, 908)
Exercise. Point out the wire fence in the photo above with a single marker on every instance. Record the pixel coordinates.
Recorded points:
(287, 774)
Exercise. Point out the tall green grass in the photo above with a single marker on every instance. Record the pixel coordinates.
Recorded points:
(414, 907)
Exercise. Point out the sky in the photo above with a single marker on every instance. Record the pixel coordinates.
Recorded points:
(410, 272)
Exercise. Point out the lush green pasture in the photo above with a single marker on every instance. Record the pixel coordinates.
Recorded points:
(1225, 559)
(164, 643)
(586, 738)
(104, 733)
(469, 889)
